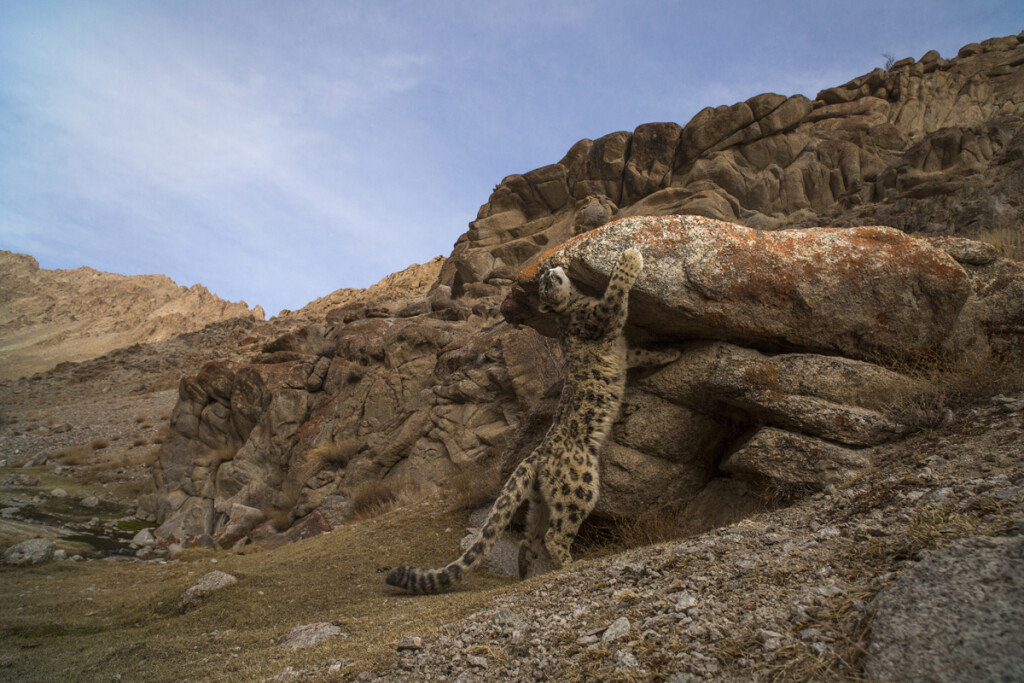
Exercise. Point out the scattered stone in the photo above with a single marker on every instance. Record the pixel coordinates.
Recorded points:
(209, 583)
(616, 630)
(310, 634)
(144, 537)
(90, 502)
(410, 643)
(59, 493)
(475, 661)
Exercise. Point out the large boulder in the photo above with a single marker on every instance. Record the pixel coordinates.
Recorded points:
(958, 615)
(825, 396)
(856, 292)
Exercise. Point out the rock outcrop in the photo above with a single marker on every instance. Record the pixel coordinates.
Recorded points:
(51, 316)
(931, 145)
(786, 336)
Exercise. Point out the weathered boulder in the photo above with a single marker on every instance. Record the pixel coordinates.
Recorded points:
(958, 615)
(857, 292)
(790, 464)
(194, 596)
(31, 552)
(825, 396)
(241, 520)
(193, 519)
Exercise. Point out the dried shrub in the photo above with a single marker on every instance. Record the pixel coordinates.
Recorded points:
(74, 455)
(655, 525)
(949, 382)
(163, 435)
(374, 497)
(98, 444)
(1007, 239)
(333, 454)
(473, 486)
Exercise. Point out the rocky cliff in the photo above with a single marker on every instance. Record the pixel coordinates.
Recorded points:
(791, 339)
(52, 316)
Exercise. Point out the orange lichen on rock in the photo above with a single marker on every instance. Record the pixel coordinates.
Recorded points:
(857, 291)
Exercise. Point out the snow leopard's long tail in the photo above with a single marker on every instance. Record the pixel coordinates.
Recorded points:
(444, 578)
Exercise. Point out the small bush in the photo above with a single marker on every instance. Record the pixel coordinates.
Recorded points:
(950, 382)
(99, 444)
(333, 454)
(656, 525)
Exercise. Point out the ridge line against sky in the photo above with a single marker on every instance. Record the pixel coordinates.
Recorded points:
(275, 152)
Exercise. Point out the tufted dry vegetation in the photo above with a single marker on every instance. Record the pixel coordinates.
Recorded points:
(329, 455)
(950, 382)
(1008, 240)
(375, 497)
(473, 486)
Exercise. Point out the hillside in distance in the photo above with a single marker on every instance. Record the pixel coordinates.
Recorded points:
(52, 316)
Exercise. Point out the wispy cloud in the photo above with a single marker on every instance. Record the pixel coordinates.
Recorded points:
(277, 151)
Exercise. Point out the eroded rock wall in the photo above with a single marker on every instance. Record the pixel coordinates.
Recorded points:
(931, 145)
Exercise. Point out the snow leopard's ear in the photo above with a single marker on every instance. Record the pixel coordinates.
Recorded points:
(544, 308)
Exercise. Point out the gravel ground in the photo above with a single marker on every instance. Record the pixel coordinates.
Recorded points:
(785, 595)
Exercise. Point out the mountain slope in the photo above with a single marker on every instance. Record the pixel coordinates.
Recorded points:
(51, 316)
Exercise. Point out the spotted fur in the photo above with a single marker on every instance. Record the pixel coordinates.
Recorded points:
(560, 477)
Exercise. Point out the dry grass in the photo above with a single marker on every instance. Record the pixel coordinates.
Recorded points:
(1009, 240)
(473, 486)
(107, 621)
(375, 497)
(99, 444)
(329, 454)
(73, 455)
(656, 525)
(950, 382)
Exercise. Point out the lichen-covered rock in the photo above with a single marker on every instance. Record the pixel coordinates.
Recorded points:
(31, 552)
(194, 596)
(858, 292)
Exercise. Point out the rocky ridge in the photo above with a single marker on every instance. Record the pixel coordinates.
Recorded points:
(931, 145)
(442, 385)
(414, 282)
(53, 316)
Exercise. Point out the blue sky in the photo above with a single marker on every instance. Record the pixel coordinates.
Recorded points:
(276, 151)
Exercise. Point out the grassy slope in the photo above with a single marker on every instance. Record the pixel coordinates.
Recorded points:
(95, 620)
